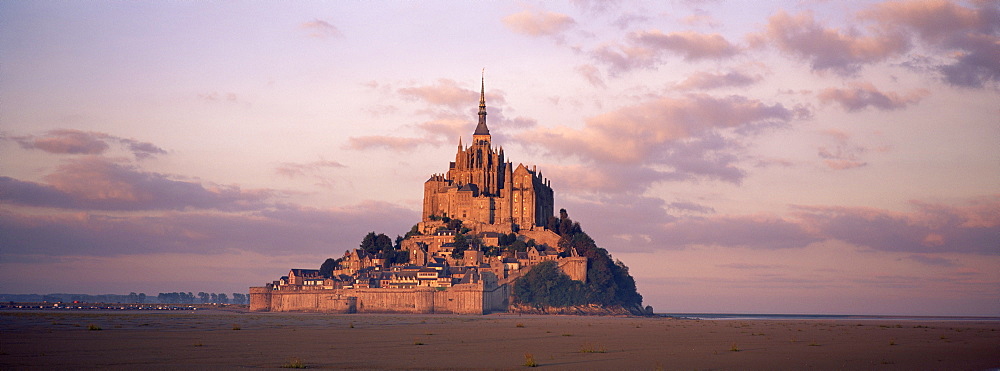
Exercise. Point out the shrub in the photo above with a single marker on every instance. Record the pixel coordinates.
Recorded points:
(529, 360)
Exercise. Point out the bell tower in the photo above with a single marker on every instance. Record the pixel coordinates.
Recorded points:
(482, 133)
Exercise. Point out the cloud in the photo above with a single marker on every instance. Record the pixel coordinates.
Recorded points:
(76, 142)
(692, 45)
(66, 141)
(320, 29)
(397, 144)
(592, 74)
(861, 95)
(446, 92)
(843, 155)
(313, 170)
(748, 231)
(971, 228)
(970, 34)
(675, 138)
(691, 207)
(452, 110)
(94, 183)
(539, 23)
(932, 260)
(827, 49)
(281, 230)
(709, 80)
(645, 49)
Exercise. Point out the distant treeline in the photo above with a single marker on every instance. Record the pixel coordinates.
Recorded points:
(133, 298)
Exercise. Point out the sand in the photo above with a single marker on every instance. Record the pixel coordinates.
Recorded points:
(214, 339)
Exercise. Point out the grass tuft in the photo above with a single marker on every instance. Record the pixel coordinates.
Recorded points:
(236, 328)
(529, 360)
(590, 348)
(94, 327)
(519, 325)
(734, 348)
(892, 341)
(294, 363)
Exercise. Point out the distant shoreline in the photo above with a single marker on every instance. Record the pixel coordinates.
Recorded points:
(238, 308)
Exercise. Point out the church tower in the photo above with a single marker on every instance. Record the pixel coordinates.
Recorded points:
(483, 188)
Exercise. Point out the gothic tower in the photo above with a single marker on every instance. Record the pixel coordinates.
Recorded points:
(479, 186)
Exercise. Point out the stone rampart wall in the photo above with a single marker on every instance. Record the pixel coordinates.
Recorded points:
(460, 299)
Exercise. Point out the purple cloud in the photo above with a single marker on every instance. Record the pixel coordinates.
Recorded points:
(76, 142)
(861, 95)
(678, 137)
(708, 80)
(100, 184)
(973, 228)
(321, 29)
(282, 230)
(645, 49)
(970, 35)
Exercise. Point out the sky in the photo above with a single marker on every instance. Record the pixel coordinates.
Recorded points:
(818, 157)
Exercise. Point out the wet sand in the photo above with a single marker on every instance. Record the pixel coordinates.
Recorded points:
(210, 339)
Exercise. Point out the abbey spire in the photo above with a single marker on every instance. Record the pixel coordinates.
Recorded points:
(482, 132)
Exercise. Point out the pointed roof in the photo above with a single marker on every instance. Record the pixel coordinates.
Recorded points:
(481, 129)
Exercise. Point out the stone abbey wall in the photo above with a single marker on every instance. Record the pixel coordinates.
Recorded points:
(460, 299)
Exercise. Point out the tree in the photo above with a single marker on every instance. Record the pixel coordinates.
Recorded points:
(608, 280)
(223, 299)
(461, 244)
(204, 297)
(545, 285)
(326, 270)
(239, 298)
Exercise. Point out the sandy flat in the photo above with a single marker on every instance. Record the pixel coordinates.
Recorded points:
(213, 339)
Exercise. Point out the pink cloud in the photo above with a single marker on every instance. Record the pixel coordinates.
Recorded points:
(446, 93)
(708, 80)
(294, 170)
(100, 184)
(861, 95)
(452, 110)
(281, 230)
(320, 29)
(969, 34)
(692, 45)
(638, 133)
(539, 23)
(645, 49)
(970, 228)
(843, 154)
(840, 51)
(592, 75)
(76, 142)
(398, 144)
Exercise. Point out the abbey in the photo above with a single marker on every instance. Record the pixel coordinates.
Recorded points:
(483, 226)
(482, 187)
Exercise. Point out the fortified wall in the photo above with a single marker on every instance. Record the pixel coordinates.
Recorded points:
(470, 299)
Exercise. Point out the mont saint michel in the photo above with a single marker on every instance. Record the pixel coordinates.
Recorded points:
(488, 241)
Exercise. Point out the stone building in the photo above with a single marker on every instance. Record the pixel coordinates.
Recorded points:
(482, 187)
(492, 197)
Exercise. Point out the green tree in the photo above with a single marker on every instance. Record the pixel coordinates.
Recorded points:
(326, 269)
(545, 285)
(461, 242)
